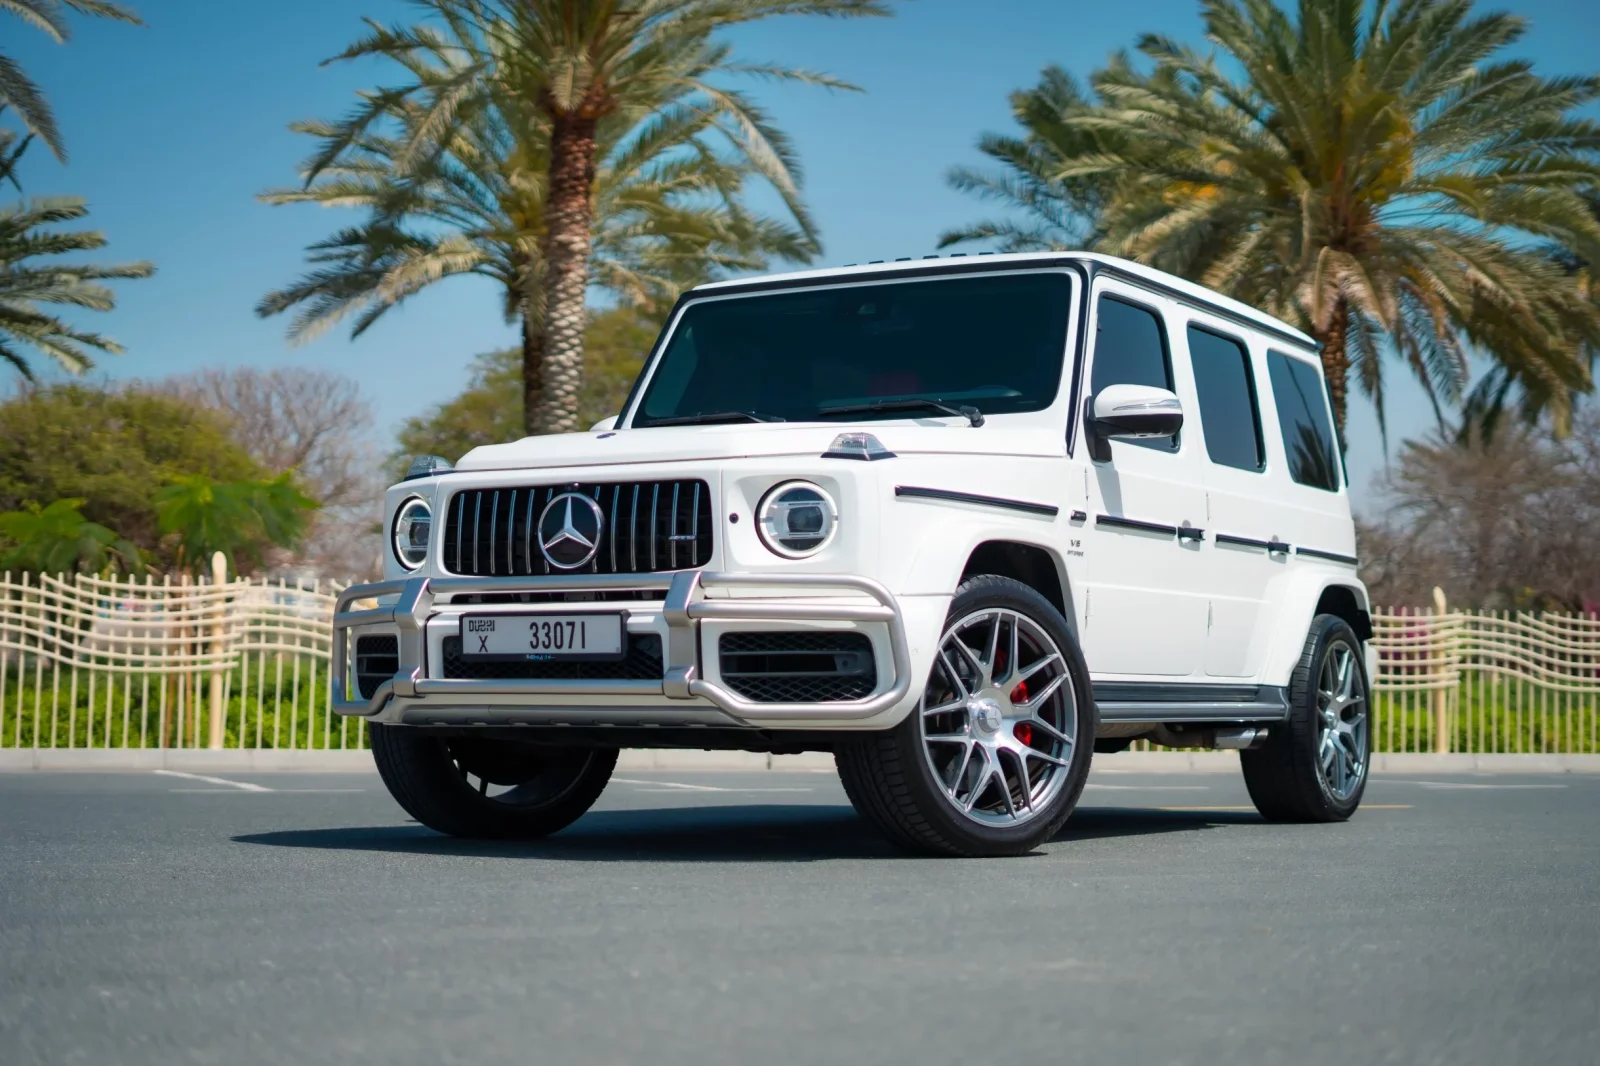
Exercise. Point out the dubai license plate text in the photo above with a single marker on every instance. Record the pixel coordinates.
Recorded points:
(542, 636)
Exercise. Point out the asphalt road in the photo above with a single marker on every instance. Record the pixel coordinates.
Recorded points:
(750, 918)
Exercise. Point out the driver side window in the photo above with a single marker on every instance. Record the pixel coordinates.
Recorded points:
(1130, 348)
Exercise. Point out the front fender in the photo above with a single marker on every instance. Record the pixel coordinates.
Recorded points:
(936, 562)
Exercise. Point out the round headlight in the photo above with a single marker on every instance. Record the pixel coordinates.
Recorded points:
(797, 519)
(412, 525)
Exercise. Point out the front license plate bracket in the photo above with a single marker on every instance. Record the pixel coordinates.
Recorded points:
(543, 637)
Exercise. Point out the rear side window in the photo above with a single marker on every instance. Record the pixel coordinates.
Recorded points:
(1130, 348)
(1303, 418)
(1227, 399)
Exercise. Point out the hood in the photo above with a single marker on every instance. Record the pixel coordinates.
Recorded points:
(675, 444)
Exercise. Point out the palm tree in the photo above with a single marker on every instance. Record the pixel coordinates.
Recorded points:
(582, 77)
(25, 285)
(1047, 212)
(57, 539)
(670, 212)
(1371, 174)
(17, 90)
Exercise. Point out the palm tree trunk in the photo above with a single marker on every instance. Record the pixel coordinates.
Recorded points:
(1336, 364)
(568, 217)
(532, 374)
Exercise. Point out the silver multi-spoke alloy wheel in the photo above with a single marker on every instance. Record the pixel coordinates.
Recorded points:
(1313, 767)
(998, 717)
(1342, 714)
(995, 755)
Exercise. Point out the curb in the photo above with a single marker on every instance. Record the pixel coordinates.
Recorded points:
(359, 761)
(191, 760)
(267, 760)
(1167, 762)
(1416, 762)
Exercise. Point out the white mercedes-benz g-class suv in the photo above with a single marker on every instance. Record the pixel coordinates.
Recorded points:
(962, 522)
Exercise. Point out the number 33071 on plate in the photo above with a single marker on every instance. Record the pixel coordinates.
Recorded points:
(539, 637)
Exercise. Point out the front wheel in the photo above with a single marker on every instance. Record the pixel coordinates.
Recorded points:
(495, 789)
(1313, 767)
(996, 755)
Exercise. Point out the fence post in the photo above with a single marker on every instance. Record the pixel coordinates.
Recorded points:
(1441, 695)
(219, 577)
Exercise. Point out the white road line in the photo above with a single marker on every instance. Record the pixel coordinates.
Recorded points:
(234, 791)
(733, 791)
(1456, 785)
(669, 785)
(673, 786)
(243, 786)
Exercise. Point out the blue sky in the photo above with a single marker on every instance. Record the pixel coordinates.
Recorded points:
(174, 128)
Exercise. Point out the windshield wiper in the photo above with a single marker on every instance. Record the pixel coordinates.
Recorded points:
(708, 417)
(971, 414)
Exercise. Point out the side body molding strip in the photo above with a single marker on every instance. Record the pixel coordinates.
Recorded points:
(1116, 522)
(1333, 557)
(920, 493)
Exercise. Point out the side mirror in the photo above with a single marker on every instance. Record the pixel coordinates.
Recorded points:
(605, 424)
(1131, 412)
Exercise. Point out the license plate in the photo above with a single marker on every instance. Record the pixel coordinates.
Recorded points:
(541, 637)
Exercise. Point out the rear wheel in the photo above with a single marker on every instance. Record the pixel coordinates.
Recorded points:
(995, 756)
(1313, 768)
(497, 789)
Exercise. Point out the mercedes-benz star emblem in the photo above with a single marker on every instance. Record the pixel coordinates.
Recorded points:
(569, 530)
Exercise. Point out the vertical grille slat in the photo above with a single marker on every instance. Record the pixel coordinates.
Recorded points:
(676, 532)
(511, 533)
(494, 520)
(616, 492)
(599, 548)
(461, 510)
(694, 528)
(672, 530)
(633, 532)
(527, 536)
(477, 523)
(655, 499)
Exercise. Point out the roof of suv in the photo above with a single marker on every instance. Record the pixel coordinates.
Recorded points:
(1198, 293)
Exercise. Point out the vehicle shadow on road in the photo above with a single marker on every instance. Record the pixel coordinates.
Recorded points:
(761, 833)
(1094, 823)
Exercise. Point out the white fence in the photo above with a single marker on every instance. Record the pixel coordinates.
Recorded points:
(92, 662)
(1487, 681)
(130, 662)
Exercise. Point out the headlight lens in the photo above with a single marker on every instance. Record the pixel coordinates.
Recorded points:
(797, 519)
(413, 524)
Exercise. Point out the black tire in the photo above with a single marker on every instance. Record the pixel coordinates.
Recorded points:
(1285, 777)
(892, 784)
(429, 776)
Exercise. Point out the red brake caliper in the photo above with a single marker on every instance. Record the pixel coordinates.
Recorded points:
(1023, 731)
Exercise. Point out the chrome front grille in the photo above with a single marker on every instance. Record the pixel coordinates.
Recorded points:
(650, 526)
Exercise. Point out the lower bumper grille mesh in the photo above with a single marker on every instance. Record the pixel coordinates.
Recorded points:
(799, 667)
(377, 660)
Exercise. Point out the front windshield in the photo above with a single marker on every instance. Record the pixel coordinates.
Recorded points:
(994, 342)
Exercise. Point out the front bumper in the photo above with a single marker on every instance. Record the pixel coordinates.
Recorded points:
(411, 695)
